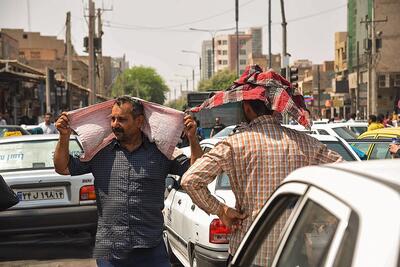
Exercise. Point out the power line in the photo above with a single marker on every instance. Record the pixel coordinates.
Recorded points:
(122, 26)
(116, 24)
(311, 15)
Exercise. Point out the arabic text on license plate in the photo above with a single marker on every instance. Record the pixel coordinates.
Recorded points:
(41, 194)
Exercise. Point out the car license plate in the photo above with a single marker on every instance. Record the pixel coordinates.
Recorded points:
(40, 194)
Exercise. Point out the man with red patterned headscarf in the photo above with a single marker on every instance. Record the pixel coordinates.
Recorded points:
(259, 156)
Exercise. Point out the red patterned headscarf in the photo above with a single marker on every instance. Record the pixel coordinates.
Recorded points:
(270, 87)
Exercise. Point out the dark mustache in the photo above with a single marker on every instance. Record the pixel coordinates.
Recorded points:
(118, 130)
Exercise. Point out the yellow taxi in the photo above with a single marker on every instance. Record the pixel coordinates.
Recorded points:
(12, 130)
(375, 144)
(383, 133)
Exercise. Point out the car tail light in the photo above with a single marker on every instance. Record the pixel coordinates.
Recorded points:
(87, 193)
(219, 233)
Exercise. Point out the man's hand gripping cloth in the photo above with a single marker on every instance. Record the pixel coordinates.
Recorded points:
(270, 87)
(162, 125)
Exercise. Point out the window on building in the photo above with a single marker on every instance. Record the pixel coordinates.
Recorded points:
(220, 62)
(242, 51)
(397, 80)
(224, 62)
(25, 36)
(224, 42)
(242, 42)
(219, 52)
(219, 42)
(224, 52)
(35, 54)
(242, 62)
(382, 81)
(21, 53)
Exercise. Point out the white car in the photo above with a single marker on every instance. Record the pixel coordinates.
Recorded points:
(193, 237)
(198, 239)
(345, 130)
(331, 215)
(48, 201)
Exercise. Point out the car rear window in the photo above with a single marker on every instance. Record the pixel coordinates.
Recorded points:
(344, 132)
(339, 148)
(15, 156)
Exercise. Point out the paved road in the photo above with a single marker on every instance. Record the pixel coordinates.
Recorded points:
(57, 250)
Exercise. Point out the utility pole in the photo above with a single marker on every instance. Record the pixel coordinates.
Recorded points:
(372, 90)
(237, 36)
(194, 89)
(100, 52)
(284, 56)
(319, 91)
(269, 36)
(92, 69)
(69, 60)
(358, 81)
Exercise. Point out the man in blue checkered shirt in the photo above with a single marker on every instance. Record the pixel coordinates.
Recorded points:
(130, 177)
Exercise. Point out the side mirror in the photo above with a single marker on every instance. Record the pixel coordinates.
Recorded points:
(171, 183)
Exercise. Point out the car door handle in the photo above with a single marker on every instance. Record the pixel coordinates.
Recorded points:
(193, 207)
(179, 201)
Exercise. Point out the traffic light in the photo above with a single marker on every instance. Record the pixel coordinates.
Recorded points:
(294, 76)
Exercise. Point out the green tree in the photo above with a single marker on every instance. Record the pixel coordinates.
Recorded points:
(178, 104)
(222, 80)
(140, 81)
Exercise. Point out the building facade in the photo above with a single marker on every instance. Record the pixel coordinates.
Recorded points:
(225, 49)
(374, 77)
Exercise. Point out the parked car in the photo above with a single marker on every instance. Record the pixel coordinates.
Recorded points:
(198, 239)
(192, 236)
(358, 127)
(372, 148)
(326, 216)
(12, 130)
(48, 201)
(383, 133)
(346, 130)
(32, 129)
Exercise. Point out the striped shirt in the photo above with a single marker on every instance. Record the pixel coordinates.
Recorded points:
(256, 160)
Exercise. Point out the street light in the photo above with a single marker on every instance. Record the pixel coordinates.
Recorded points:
(192, 67)
(213, 32)
(197, 53)
(187, 80)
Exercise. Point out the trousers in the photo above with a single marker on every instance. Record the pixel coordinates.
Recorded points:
(140, 257)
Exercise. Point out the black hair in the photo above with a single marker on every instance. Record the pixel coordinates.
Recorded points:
(259, 107)
(136, 104)
(48, 114)
(380, 117)
(372, 118)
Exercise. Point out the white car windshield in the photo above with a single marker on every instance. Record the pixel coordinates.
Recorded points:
(345, 133)
(224, 132)
(26, 155)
